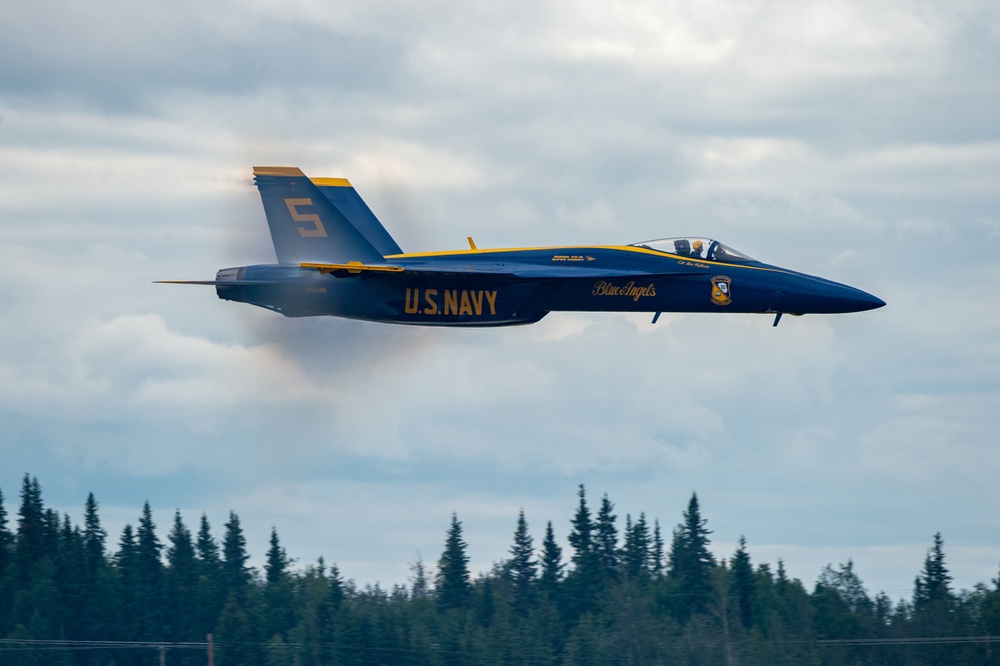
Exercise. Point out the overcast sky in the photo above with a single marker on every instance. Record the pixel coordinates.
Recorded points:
(847, 139)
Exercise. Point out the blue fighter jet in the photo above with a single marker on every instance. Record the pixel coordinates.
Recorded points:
(335, 258)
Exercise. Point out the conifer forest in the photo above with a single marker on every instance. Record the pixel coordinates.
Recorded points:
(621, 591)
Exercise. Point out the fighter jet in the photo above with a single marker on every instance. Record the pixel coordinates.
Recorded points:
(334, 258)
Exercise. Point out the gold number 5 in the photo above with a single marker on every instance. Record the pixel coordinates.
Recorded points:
(317, 230)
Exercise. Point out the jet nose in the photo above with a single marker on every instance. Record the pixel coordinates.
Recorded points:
(833, 297)
(804, 294)
(866, 301)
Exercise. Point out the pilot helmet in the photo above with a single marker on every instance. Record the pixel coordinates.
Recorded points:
(697, 246)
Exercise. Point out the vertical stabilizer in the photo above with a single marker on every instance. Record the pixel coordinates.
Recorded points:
(305, 225)
(346, 199)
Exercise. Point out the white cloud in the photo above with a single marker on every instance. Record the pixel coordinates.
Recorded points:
(842, 139)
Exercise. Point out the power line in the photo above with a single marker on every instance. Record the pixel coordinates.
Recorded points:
(932, 640)
(15, 644)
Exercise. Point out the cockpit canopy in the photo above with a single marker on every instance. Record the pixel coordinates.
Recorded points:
(696, 248)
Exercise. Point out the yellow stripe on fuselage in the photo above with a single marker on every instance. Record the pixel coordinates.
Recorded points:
(581, 248)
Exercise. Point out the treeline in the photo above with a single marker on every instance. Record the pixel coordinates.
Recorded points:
(622, 594)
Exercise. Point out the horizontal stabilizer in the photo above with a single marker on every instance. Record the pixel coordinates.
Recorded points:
(353, 267)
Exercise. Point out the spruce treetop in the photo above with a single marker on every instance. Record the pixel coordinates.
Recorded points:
(933, 586)
(452, 585)
(206, 546)
(235, 556)
(277, 559)
(552, 564)
(606, 544)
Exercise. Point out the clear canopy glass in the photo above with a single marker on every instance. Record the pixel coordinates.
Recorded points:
(696, 248)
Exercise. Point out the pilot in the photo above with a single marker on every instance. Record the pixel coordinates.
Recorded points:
(697, 248)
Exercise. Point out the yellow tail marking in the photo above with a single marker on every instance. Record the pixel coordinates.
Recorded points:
(331, 182)
(277, 171)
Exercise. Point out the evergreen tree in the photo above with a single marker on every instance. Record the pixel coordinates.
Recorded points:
(180, 552)
(320, 598)
(581, 537)
(656, 553)
(125, 557)
(933, 586)
(551, 564)
(627, 542)
(128, 578)
(743, 587)
(212, 591)
(71, 580)
(522, 567)
(101, 614)
(277, 559)
(181, 582)
(691, 561)
(606, 544)
(149, 577)
(51, 521)
(882, 610)
(335, 584)
(234, 552)
(237, 623)
(30, 526)
(636, 557)
(453, 587)
(148, 548)
(584, 580)
(934, 605)
(94, 537)
(206, 548)
(279, 595)
(420, 587)
(6, 540)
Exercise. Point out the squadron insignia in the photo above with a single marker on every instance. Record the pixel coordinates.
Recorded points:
(721, 294)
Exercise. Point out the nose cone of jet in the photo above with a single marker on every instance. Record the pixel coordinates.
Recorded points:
(817, 295)
(835, 297)
(862, 301)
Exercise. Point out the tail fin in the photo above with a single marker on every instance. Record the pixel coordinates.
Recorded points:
(305, 225)
(346, 199)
